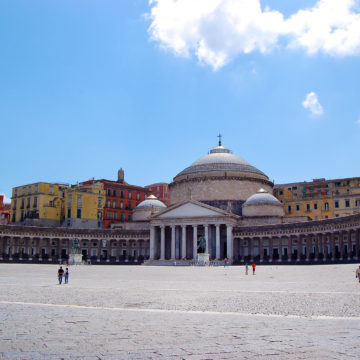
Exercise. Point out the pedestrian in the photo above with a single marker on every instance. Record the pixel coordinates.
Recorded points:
(66, 275)
(253, 267)
(226, 261)
(60, 274)
(246, 269)
(357, 273)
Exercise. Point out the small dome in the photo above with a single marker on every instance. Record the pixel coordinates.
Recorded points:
(262, 197)
(151, 202)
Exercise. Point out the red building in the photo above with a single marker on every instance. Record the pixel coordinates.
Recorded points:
(161, 191)
(121, 199)
(4, 212)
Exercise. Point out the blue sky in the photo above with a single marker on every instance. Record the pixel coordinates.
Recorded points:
(90, 86)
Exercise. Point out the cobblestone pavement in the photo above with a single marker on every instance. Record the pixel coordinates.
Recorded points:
(194, 313)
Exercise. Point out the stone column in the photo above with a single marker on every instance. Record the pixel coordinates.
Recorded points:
(152, 242)
(128, 248)
(332, 242)
(349, 244)
(108, 250)
(251, 249)
(58, 249)
(173, 254)
(162, 242)
(280, 249)
(183, 241)
(341, 244)
(261, 249)
(99, 247)
(325, 249)
(118, 250)
(299, 248)
(308, 240)
(317, 241)
(289, 248)
(206, 228)
(229, 242)
(357, 244)
(2, 248)
(217, 241)
(270, 249)
(194, 242)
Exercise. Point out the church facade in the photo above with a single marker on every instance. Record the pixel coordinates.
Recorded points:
(220, 205)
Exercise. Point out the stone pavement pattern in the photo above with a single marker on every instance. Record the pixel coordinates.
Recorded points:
(138, 312)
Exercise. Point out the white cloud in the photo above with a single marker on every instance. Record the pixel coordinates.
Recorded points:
(357, 121)
(216, 31)
(311, 103)
(6, 199)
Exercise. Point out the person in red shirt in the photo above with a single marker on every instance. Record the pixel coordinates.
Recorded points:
(253, 267)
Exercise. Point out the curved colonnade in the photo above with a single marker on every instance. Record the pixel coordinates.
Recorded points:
(54, 244)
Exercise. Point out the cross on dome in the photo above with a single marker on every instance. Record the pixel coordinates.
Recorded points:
(219, 136)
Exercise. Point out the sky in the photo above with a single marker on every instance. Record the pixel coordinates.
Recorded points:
(89, 86)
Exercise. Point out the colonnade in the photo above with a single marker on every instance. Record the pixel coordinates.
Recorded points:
(183, 241)
(59, 248)
(320, 246)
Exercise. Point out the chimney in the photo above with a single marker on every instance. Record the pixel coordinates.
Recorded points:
(120, 176)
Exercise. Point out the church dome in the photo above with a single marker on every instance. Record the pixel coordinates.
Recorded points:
(152, 202)
(219, 179)
(220, 159)
(262, 197)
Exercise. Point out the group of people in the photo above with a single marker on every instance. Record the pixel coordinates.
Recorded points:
(247, 268)
(61, 273)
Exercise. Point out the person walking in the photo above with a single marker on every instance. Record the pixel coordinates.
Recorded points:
(66, 276)
(60, 274)
(357, 273)
(246, 269)
(253, 267)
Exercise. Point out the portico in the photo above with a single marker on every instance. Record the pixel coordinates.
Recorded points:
(184, 230)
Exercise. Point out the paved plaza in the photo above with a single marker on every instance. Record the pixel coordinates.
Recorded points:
(153, 312)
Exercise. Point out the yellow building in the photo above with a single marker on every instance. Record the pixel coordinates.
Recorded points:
(321, 198)
(84, 205)
(40, 204)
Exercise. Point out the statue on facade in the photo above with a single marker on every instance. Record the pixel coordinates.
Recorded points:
(75, 246)
(201, 245)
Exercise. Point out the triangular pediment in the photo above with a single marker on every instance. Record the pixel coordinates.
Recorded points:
(190, 210)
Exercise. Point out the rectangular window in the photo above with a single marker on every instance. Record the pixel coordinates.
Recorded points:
(36, 188)
(28, 202)
(336, 204)
(289, 209)
(15, 192)
(130, 217)
(121, 194)
(122, 216)
(114, 204)
(108, 203)
(99, 202)
(109, 192)
(23, 191)
(130, 195)
(347, 203)
(51, 191)
(69, 213)
(35, 201)
(114, 192)
(79, 200)
(315, 206)
(326, 206)
(357, 202)
(69, 200)
(280, 192)
(137, 196)
(121, 204)
(78, 213)
(114, 215)
(308, 207)
(109, 215)
(297, 207)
